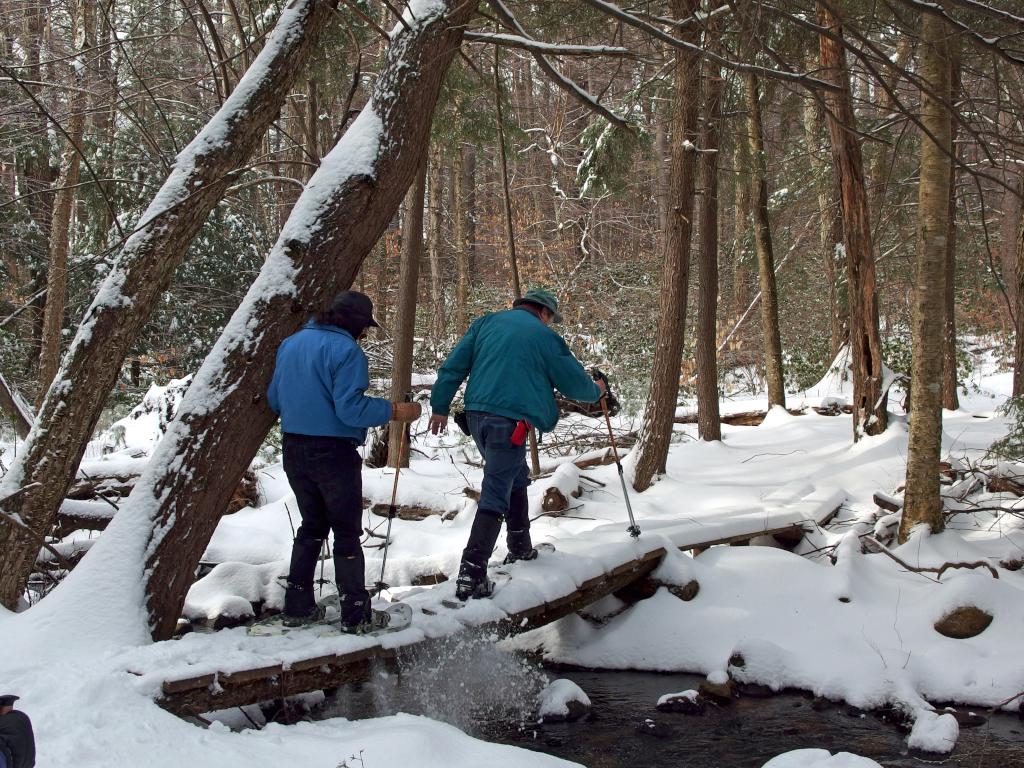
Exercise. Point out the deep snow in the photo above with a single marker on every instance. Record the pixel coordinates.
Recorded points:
(780, 611)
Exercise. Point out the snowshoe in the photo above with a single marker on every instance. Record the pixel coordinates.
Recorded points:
(395, 618)
(531, 554)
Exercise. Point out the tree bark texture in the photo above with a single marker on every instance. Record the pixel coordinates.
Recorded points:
(459, 236)
(950, 398)
(336, 222)
(830, 226)
(770, 333)
(1018, 280)
(652, 446)
(709, 425)
(869, 406)
(63, 206)
(506, 197)
(404, 329)
(435, 242)
(142, 270)
(923, 503)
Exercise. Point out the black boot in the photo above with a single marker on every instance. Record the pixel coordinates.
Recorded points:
(472, 582)
(519, 547)
(473, 570)
(354, 599)
(299, 600)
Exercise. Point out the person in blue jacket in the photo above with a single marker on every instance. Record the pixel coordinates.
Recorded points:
(319, 390)
(514, 361)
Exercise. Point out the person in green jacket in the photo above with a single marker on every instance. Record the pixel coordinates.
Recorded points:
(514, 361)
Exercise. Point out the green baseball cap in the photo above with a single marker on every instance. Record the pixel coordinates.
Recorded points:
(543, 298)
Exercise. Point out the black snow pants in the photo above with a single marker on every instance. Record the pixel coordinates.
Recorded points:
(325, 473)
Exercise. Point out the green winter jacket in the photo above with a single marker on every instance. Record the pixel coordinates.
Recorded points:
(513, 362)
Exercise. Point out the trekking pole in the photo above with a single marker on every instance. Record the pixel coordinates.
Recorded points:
(381, 585)
(634, 529)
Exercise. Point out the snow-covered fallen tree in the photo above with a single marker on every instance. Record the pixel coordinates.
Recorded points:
(155, 542)
(141, 272)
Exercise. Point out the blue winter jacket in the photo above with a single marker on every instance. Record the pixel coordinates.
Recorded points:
(319, 385)
(513, 362)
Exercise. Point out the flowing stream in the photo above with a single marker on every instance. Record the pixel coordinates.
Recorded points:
(491, 694)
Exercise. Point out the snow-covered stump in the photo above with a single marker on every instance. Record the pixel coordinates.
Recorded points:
(143, 269)
(562, 701)
(336, 221)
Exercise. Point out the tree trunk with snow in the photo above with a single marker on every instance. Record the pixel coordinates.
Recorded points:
(143, 269)
(341, 214)
(923, 503)
(653, 443)
(404, 329)
(709, 425)
(15, 406)
(770, 333)
(869, 404)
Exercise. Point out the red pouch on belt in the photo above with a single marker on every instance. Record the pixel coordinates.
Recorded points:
(519, 435)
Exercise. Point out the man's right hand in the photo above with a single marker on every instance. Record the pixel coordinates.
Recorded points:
(405, 411)
(438, 423)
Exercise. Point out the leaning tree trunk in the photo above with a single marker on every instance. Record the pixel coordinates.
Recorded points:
(143, 269)
(709, 424)
(404, 329)
(63, 205)
(770, 334)
(652, 447)
(923, 504)
(343, 211)
(869, 403)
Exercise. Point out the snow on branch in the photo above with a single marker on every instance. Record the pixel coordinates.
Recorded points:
(563, 82)
(539, 46)
(988, 43)
(803, 80)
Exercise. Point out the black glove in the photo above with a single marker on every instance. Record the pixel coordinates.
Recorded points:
(610, 400)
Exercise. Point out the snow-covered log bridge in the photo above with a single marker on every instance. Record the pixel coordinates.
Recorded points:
(203, 672)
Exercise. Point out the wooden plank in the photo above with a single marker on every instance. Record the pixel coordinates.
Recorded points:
(209, 692)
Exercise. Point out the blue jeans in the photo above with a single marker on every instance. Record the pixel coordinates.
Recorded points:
(504, 464)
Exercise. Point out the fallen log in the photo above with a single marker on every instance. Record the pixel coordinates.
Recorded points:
(217, 690)
(741, 419)
(886, 502)
(411, 512)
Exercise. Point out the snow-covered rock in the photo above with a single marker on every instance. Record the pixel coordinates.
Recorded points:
(819, 758)
(562, 701)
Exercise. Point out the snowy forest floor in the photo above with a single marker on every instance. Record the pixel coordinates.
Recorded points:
(827, 617)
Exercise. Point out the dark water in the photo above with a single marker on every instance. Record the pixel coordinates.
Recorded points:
(491, 694)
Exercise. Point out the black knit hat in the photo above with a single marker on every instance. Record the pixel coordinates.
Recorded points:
(8, 699)
(356, 306)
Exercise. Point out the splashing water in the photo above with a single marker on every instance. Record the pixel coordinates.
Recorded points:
(465, 680)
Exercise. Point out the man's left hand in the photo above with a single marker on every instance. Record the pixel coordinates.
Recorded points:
(438, 423)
